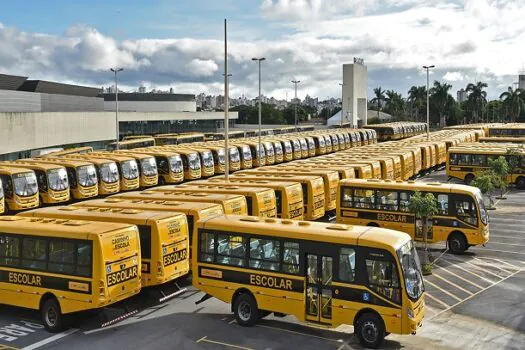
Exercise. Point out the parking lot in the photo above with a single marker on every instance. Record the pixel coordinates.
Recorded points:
(474, 301)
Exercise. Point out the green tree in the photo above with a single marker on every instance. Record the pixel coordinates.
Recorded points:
(485, 183)
(440, 98)
(424, 207)
(513, 100)
(394, 104)
(477, 98)
(379, 97)
(417, 97)
(500, 169)
(515, 156)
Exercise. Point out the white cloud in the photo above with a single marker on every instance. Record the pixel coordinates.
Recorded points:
(474, 39)
(454, 76)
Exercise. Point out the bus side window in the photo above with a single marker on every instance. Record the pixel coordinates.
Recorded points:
(465, 159)
(41, 179)
(346, 200)
(291, 258)
(364, 199)
(453, 159)
(34, 253)
(207, 246)
(9, 251)
(466, 210)
(442, 200)
(7, 182)
(84, 259)
(231, 250)
(61, 256)
(347, 264)
(264, 254)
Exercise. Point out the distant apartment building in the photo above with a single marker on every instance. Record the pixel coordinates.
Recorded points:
(461, 96)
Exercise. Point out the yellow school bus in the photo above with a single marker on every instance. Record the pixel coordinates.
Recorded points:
(63, 266)
(245, 155)
(232, 204)
(194, 211)
(313, 190)
(82, 176)
(330, 180)
(163, 237)
(216, 155)
(147, 165)
(277, 148)
(127, 166)
(286, 148)
(462, 220)
(361, 170)
(312, 271)
(219, 160)
(259, 157)
(191, 161)
(466, 163)
(261, 201)
(126, 175)
(19, 188)
(130, 143)
(107, 173)
(344, 172)
(53, 186)
(203, 156)
(288, 194)
(169, 165)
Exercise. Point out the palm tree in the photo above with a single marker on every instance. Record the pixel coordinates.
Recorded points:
(379, 96)
(395, 104)
(440, 97)
(417, 96)
(477, 98)
(513, 100)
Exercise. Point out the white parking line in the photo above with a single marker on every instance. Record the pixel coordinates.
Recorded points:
(458, 276)
(50, 339)
(503, 236)
(443, 290)
(427, 294)
(468, 271)
(486, 264)
(511, 244)
(452, 284)
(484, 249)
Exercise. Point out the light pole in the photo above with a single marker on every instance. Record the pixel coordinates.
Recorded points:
(259, 60)
(428, 95)
(116, 70)
(295, 82)
(342, 103)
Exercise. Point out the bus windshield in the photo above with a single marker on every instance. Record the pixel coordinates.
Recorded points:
(207, 158)
(87, 175)
(247, 153)
(411, 270)
(234, 155)
(109, 172)
(25, 184)
(222, 159)
(130, 169)
(175, 164)
(149, 166)
(482, 210)
(194, 161)
(57, 179)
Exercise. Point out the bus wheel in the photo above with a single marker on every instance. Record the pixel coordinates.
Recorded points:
(370, 331)
(246, 310)
(468, 179)
(457, 244)
(51, 315)
(520, 183)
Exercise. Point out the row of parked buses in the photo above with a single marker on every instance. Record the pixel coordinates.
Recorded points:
(91, 255)
(79, 174)
(398, 130)
(262, 257)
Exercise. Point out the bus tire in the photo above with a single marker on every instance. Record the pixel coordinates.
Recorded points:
(372, 224)
(457, 243)
(51, 314)
(246, 310)
(469, 178)
(520, 183)
(370, 330)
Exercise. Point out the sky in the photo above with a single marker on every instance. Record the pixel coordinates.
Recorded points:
(180, 44)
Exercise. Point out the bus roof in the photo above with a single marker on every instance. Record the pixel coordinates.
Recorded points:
(133, 216)
(111, 156)
(42, 166)
(178, 194)
(52, 227)
(61, 161)
(206, 188)
(93, 160)
(151, 204)
(307, 230)
(242, 182)
(399, 185)
(9, 170)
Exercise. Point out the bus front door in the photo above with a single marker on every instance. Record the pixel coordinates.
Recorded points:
(319, 271)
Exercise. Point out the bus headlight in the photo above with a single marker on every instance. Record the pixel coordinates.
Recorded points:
(410, 313)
